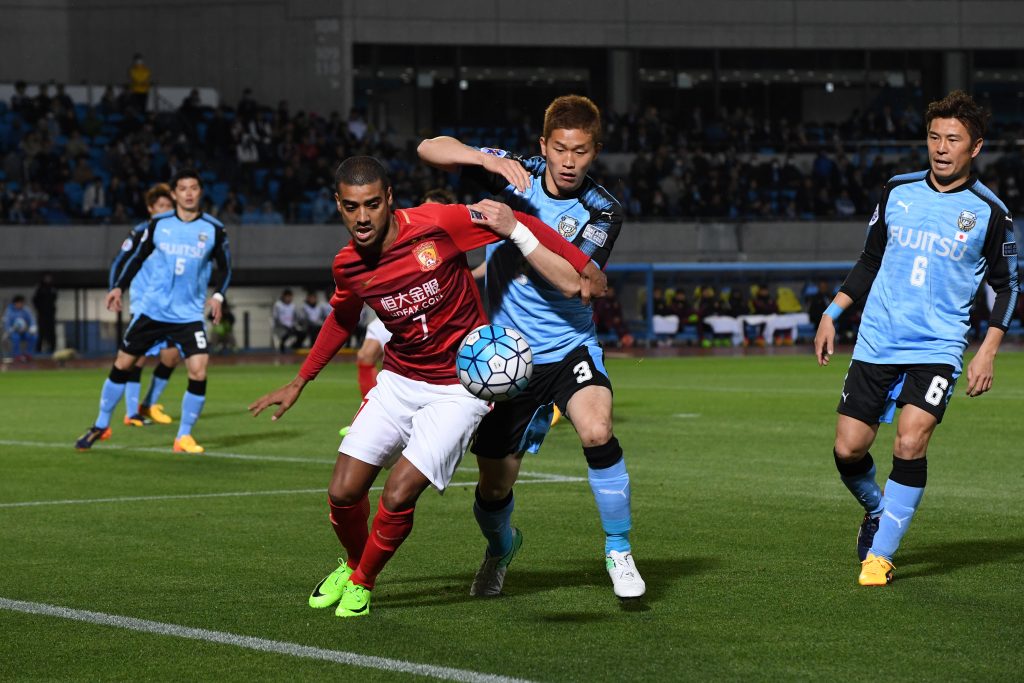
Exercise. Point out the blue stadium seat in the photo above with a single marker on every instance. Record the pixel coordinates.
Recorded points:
(305, 213)
(273, 187)
(74, 192)
(259, 178)
(219, 193)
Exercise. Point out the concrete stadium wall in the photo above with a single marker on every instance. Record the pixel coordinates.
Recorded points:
(261, 251)
(302, 50)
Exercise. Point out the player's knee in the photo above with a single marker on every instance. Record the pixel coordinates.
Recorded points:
(343, 497)
(493, 490)
(603, 456)
(400, 498)
(910, 445)
(120, 375)
(846, 452)
(365, 356)
(595, 432)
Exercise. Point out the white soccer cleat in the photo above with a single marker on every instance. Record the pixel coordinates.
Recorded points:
(626, 581)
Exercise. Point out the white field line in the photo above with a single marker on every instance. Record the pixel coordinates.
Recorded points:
(152, 449)
(443, 673)
(532, 478)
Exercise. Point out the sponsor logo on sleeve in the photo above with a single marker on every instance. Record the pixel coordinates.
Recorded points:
(1009, 248)
(127, 244)
(494, 151)
(874, 217)
(595, 235)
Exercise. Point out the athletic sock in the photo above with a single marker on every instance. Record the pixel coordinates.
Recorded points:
(192, 405)
(110, 396)
(609, 482)
(388, 531)
(367, 375)
(903, 493)
(495, 520)
(349, 522)
(132, 388)
(859, 478)
(161, 375)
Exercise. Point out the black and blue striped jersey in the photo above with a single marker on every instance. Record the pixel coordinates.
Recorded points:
(518, 297)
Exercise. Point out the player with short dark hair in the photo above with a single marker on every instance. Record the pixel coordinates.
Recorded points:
(409, 265)
(141, 412)
(933, 237)
(569, 371)
(178, 249)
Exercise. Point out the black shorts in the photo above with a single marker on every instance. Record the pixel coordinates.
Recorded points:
(144, 332)
(871, 393)
(501, 431)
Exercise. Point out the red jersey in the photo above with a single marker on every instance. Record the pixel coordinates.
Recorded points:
(422, 290)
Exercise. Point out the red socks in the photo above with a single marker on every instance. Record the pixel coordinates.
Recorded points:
(387, 533)
(350, 526)
(367, 377)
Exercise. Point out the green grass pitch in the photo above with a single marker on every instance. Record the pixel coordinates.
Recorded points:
(743, 532)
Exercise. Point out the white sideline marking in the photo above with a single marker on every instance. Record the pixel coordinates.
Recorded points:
(152, 449)
(686, 415)
(259, 644)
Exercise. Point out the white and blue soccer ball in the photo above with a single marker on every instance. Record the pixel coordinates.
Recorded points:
(494, 362)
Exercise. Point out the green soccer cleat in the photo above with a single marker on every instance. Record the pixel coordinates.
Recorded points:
(490, 577)
(330, 589)
(355, 602)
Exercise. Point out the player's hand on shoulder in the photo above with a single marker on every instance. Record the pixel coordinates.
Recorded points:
(285, 397)
(825, 340)
(510, 169)
(494, 215)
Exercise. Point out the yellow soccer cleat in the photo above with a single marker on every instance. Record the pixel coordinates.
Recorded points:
(135, 420)
(156, 413)
(186, 444)
(875, 571)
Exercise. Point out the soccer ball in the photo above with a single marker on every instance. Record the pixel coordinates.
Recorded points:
(494, 362)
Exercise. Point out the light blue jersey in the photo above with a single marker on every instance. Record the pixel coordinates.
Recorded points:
(141, 280)
(522, 299)
(177, 259)
(929, 251)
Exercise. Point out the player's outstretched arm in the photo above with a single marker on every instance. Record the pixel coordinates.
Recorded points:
(448, 154)
(825, 337)
(285, 397)
(981, 369)
(550, 265)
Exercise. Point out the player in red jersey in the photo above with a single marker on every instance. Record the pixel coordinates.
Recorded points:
(409, 265)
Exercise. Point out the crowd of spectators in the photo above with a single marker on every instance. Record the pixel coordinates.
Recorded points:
(62, 161)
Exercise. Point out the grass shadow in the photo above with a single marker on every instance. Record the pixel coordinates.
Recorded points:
(946, 558)
(658, 574)
(234, 440)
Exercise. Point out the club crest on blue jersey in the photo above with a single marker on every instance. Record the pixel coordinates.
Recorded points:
(966, 221)
(567, 226)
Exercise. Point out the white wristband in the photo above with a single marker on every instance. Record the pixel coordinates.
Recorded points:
(524, 239)
(218, 296)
